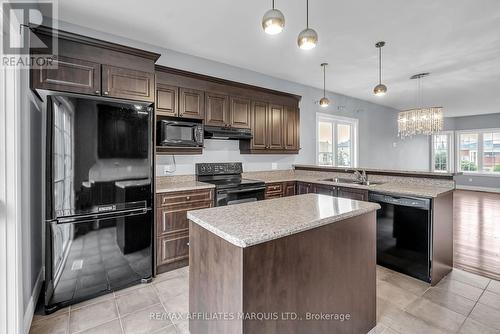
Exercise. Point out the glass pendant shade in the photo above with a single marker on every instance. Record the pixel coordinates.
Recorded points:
(273, 22)
(307, 40)
(380, 90)
(324, 102)
(420, 121)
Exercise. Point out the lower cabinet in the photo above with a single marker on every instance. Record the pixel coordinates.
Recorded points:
(352, 193)
(172, 226)
(274, 190)
(289, 188)
(325, 189)
(304, 188)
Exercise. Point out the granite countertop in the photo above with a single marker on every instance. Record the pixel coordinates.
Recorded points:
(167, 187)
(253, 223)
(379, 170)
(422, 189)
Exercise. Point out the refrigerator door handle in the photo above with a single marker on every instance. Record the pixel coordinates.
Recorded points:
(107, 215)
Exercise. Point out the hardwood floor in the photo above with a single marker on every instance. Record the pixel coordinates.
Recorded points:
(477, 232)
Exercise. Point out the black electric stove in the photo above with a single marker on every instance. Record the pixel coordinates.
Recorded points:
(230, 187)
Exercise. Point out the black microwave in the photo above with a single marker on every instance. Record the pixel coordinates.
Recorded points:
(179, 133)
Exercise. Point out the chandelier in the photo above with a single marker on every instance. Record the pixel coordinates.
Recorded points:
(420, 121)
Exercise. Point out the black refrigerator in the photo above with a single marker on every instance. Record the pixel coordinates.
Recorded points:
(99, 195)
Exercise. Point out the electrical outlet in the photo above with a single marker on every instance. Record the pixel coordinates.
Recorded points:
(394, 144)
(274, 165)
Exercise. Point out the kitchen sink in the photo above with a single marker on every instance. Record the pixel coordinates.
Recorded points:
(346, 180)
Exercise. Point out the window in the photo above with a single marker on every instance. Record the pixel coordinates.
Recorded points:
(479, 151)
(336, 141)
(491, 152)
(442, 152)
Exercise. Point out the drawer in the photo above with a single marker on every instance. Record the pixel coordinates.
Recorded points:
(274, 188)
(172, 248)
(173, 218)
(273, 195)
(184, 197)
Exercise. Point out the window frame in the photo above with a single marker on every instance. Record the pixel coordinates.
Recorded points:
(480, 151)
(335, 120)
(451, 152)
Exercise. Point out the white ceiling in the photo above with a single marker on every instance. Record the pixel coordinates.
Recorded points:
(458, 41)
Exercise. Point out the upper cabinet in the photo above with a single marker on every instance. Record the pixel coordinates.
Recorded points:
(275, 129)
(167, 100)
(272, 116)
(240, 112)
(192, 103)
(73, 75)
(216, 109)
(94, 67)
(291, 131)
(129, 84)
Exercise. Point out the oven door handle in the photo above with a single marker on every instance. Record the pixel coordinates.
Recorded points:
(242, 190)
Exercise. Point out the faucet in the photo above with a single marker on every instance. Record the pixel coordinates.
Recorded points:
(361, 177)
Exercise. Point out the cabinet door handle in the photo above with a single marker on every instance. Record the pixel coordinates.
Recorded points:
(106, 93)
(97, 92)
(187, 243)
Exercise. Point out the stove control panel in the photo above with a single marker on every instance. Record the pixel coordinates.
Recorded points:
(219, 168)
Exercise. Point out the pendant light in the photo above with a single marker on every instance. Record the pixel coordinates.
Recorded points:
(324, 102)
(421, 120)
(380, 89)
(273, 21)
(308, 38)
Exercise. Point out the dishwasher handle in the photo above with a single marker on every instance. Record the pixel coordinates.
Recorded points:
(414, 202)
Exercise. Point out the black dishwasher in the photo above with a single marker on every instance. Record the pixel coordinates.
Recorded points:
(404, 234)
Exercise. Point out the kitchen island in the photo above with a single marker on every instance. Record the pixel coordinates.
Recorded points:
(302, 264)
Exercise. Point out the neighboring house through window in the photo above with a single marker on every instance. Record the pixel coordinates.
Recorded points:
(478, 151)
(336, 140)
(442, 152)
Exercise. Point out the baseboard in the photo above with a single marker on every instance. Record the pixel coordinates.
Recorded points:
(30, 309)
(474, 188)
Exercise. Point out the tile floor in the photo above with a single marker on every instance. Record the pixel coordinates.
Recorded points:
(462, 303)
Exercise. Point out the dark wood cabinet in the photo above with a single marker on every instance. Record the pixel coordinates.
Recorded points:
(304, 188)
(71, 75)
(91, 66)
(272, 116)
(167, 100)
(275, 127)
(172, 226)
(216, 109)
(191, 103)
(274, 190)
(352, 193)
(289, 188)
(291, 128)
(259, 126)
(129, 84)
(240, 112)
(325, 189)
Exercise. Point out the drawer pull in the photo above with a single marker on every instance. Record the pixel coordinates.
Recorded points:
(188, 198)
